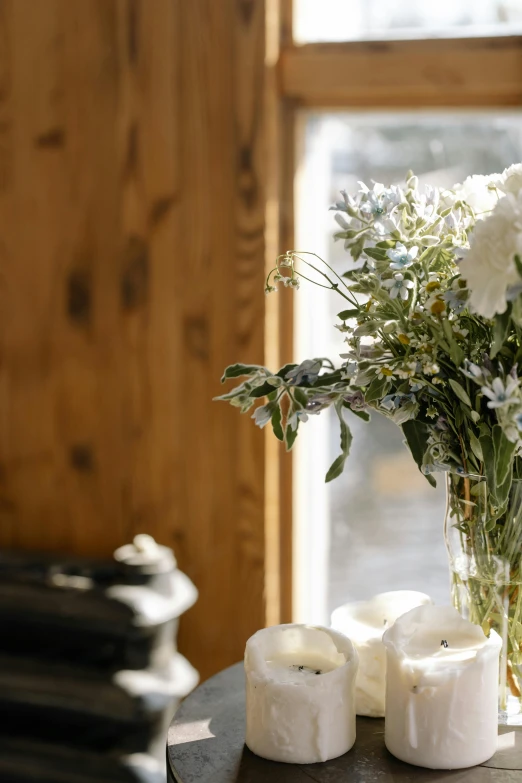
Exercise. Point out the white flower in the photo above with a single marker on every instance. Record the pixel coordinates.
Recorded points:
(511, 179)
(385, 371)
(398, 286)
(408, 370)
(401, 257)
(479, 192)
(432, 368)
(263, 415)
(374, 204)
(473, 371)
(489, 267)
(500, 395)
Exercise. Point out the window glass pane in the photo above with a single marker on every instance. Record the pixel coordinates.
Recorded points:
(379, 526)
(362, 20)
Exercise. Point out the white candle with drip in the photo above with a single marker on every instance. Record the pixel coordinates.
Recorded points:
(442, 689)
(364, 622)
(300, 683)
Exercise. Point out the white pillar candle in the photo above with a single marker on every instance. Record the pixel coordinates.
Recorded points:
(300, 705)
(442, 689)
(364, 622)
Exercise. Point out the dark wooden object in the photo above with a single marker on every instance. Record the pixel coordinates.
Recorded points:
(206, 744)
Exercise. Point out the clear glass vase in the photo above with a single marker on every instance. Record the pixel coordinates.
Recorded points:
(485, 556)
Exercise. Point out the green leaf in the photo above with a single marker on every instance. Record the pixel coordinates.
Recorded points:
(459, 417)
(356, 249)
(367, 328)
(460, 392)
(488, 453)
(448, 331)
(242, 389)
(518, 264)
(300, 396)
(276, 423)
(376, 389)
(290, 436)
(416, 434)
(327, 379)
(236, 370)
(337, 467)
(502, 493)
(504, 452)
(377, 253)
(476, 448)
(479, 491)
(457, 355)
(500, 331)
(283, 372)
(262, 391)
(345, 314)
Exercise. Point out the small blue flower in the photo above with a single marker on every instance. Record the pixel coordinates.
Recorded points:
(306, 372)
(398, 286)
(500, 394)
(518, 421)
(374, 204)
(457, 300)
(473, 371)
(401, 257)
(390, 402)
(295, 418)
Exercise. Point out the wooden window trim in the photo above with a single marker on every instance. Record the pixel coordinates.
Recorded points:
(464, 72)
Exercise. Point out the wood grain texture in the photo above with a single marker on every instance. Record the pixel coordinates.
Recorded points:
(453, 72)
(131, 272)
(280, 168)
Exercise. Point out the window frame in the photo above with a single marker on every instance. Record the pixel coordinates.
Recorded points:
(444, 73)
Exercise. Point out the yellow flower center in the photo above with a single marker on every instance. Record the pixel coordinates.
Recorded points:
(404, 339)
(437, 307)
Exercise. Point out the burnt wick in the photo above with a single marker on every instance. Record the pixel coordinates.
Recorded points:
(443, 643)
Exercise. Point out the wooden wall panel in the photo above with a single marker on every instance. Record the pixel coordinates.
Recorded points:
(131, 273)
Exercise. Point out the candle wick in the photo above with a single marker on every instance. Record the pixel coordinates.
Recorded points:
(318, 671)
(444, 643)
(301, 668)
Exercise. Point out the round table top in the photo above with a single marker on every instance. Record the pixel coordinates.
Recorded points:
(206, 745)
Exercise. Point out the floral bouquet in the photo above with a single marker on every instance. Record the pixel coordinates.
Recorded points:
(432, 320)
